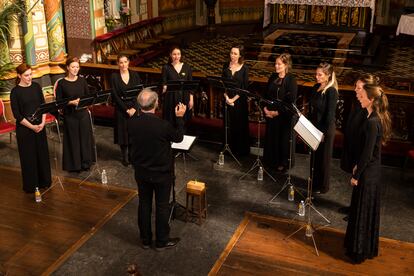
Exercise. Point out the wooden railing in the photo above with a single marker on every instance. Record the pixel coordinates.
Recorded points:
(131, 40)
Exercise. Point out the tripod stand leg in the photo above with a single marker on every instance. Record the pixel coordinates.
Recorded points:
(319, 213)
(300, 228)
(254, 166)
(268, 174)
(227, 149)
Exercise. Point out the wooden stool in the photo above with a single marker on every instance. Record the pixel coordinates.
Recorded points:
(196, 190)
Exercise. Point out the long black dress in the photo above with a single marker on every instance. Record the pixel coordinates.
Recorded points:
(32, 146)
(279, 129)
(352, 136)
(172, 98)
(322, 115)
(122, 105)
(362, 233)
(78, 140)
(238, 115)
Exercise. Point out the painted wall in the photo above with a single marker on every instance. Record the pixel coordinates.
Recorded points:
(180, 14)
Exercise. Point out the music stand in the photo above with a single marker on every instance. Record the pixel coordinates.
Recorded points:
(184, 145)
(225, 84)
(258, 99)
(98, 98)
(37, 115)
(312, 137)
(288, 182)
(132, 93)
(178, 87)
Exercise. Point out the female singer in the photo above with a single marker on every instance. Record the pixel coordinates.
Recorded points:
(125, 108)
(176, 70)
(351, 147)
(362, 233)
(238, 115)
(352, 134)
(25, 98)
(280, 87)
(322, 115)
(78, 140)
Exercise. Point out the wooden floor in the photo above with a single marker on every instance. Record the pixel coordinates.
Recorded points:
(35, 238)
(258, 248)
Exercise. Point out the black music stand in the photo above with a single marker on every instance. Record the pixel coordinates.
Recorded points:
(98, 98)
(258, 99)
(178, 87)
(50, 107)
(226, 85)
(184, 145)
(288, 183)
(312, 137)
(132, 93)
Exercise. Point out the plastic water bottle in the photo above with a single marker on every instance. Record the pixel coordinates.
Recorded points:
(104, 178)
(309, 231)
(260, 174)
(221, 159)
(301, 211)
(38, 195)
(291, 193)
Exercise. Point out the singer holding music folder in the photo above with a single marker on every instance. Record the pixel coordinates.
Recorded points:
(151, 156)
(238, 113)
(25, 98)
(322, 114)
(176, 70)
(124, 108)
(282, 90)
(78, 140)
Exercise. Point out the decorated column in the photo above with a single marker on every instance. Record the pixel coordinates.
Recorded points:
(55, 31)
(28, 37)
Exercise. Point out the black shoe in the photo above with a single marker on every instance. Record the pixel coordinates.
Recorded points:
(169, 244)
(146, 244)
(344, 210)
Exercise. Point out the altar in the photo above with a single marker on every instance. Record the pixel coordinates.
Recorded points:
(340, 14)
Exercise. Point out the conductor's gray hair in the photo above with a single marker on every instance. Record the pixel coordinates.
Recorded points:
(147, 99)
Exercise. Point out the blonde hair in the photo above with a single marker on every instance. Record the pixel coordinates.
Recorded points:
(286, 59)
(328, 69)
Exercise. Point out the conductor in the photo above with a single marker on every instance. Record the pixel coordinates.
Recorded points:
(151, 157)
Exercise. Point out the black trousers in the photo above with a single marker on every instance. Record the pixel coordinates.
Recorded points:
(146, 190)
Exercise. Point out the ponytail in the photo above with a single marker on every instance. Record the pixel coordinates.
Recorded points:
(380, 107)
(328, 69)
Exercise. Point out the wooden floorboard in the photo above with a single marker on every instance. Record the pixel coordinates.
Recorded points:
(259, 247)
(35, 237)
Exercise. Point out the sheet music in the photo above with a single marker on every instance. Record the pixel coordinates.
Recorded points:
(308, 132)
(185, 144)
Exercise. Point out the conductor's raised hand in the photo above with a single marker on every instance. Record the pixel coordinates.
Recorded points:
(180, 110)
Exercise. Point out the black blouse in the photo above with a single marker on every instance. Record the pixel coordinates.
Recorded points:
(284, 90)
(168, 73)
(323, 108)
(371, 150)
(25, 101)
(71, 90)
(241, 76)
(119, 86)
